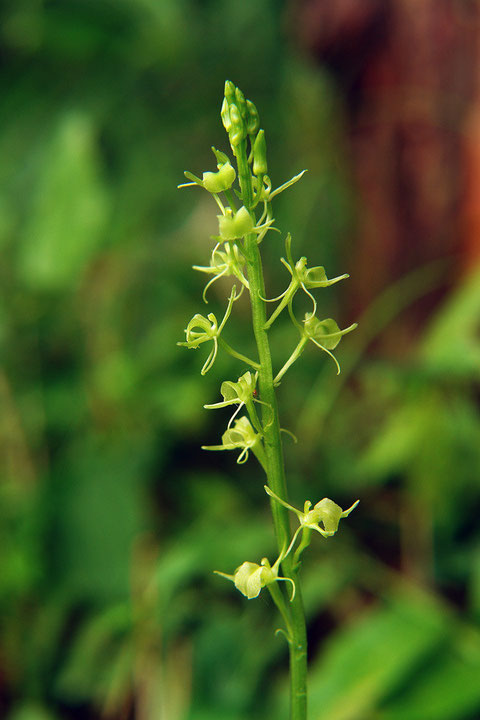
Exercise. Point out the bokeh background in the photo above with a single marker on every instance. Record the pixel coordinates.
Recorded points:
(111, 517)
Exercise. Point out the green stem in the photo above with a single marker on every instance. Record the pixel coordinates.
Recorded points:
(231, 199)
(273, 450)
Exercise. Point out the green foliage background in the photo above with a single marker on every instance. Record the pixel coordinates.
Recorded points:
(111, 518)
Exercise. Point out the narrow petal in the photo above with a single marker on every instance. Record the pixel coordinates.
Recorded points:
(347, 512)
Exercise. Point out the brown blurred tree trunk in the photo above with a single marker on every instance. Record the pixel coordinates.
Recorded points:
(410, 74)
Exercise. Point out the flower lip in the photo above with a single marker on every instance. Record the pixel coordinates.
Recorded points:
(216, 182)
(234, 226)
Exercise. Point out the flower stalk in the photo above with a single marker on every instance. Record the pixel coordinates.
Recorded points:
(242, 227)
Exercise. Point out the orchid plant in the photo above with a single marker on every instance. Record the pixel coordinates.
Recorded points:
(242, 190)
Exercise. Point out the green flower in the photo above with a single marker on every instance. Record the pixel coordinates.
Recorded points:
(325, 334)
(203, 329)
(236, 225)
(216, 182)
(241, 393)
(250, 577)
(302, 277)
(236, 393)
(233, 226)
(224, 263)
(242, 437)
(325, 511)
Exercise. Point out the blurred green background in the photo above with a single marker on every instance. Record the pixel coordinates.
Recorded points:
(111, 517)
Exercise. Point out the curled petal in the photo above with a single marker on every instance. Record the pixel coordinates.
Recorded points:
(293, 586)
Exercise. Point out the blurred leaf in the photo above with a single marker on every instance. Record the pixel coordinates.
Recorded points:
(473, 564)
(365, 661)
(31, 711)
(69, 208)
(229, 666)
(392, 448)
(98, 508)
(452, 343)
(97, 649)
(447, 688)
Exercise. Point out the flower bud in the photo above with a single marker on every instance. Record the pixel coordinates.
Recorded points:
(260, 154)
(229, 91)
(253, 119)
(225, 115)
(240, 102)
(237, 131)
(221, 180)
